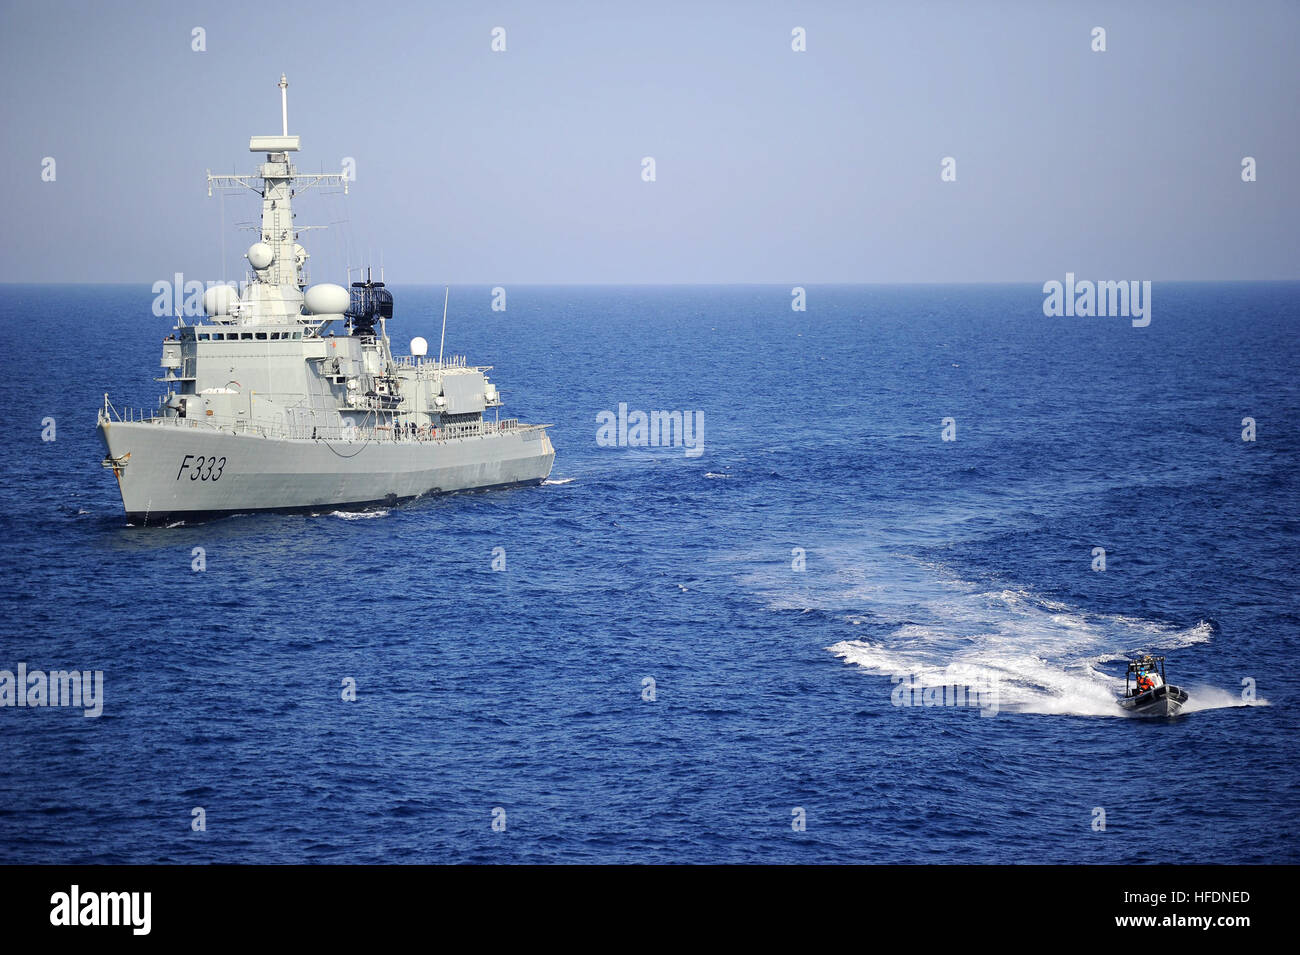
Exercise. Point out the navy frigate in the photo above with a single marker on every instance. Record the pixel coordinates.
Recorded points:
(287, 396)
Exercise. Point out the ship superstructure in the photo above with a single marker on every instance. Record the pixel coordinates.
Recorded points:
(288, 396)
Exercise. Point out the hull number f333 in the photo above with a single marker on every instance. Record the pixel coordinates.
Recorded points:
(201, 468)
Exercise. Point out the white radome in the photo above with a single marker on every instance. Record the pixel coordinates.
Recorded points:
(220, 300)
(419, 347)
(327, 299)
(260, 255)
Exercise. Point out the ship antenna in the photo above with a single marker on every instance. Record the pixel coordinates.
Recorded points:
(284, 104)
(445, 295)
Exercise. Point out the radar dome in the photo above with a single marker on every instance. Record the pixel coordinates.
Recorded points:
(327, 299)
(260, 255)
(220, 300)
(419, 347)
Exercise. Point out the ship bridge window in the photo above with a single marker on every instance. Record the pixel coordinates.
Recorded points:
(203, 337)
(261, 336)
(246, 336)
(297, 335)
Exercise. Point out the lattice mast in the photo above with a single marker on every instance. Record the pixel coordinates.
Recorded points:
(278, 259)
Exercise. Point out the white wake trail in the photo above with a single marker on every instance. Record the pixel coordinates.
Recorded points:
(924, 625)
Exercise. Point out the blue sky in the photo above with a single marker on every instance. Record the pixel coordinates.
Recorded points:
(772, 165)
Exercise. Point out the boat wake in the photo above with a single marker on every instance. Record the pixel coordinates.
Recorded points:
(359, 515)
(558, 481)
(927, 629)
(1214, 698)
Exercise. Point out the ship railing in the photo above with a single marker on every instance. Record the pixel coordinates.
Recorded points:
(319, 432)
(128, 414)
(427, 369)
(432, 364)
(449, 432)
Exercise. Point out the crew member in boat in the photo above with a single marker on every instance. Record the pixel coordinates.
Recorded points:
(1148, 678)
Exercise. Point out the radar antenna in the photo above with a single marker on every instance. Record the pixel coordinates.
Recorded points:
(284, 105)
(277, 181)
(446, 294)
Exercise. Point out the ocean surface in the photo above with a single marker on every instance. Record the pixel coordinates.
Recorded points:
(517, 695)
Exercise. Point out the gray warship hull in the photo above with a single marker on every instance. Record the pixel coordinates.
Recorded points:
(167, 471)
(287, 396)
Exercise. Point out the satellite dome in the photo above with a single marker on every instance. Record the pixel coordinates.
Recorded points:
(419, 347)
(327, 299)
(220, 300)
(260, 255)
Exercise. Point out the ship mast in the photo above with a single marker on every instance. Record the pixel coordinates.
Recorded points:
(277, 259)
(284, 105)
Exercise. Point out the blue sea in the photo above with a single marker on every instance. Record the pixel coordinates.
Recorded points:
(827, 543)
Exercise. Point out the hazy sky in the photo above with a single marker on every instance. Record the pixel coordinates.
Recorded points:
(772, 165)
